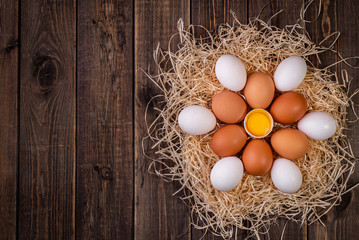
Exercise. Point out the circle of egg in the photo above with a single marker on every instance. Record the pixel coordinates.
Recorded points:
(232, 107)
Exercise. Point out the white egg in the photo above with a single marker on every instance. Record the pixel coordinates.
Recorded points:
(227, 173)
(290, 73)
(231, 72)
(196, 120)
(286, 176)
(318, 125)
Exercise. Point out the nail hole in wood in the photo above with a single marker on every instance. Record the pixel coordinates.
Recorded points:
(104, 173)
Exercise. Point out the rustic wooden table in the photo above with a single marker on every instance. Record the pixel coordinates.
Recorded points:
(72, 102)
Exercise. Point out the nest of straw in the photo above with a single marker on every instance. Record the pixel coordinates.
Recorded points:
(187, 77)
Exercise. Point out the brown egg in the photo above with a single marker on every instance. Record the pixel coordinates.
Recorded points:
(289, 107)
(257, 157)
(228, 140)
(259, 90)
(290, 143)
(229, 107)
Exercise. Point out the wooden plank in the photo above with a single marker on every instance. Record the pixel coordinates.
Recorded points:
(211, 14)
(104, 189)
(47, 120)
(348, 24)
(289, 15)
(8, 116)
(158, 214)
(318, 30)
(341, 222)
(290, 11)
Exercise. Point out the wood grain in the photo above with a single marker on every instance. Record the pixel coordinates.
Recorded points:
(8, 116)
(47, 120)
(211, 14)
(104, 189)
(158, 214)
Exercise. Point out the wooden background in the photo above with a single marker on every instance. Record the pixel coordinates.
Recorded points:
(72, 102)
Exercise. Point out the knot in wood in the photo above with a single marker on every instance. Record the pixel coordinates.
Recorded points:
(104, 172)
(344, 204)
(47, 74)
(12, 44)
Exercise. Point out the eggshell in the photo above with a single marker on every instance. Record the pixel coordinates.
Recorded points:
(231, 72)
(228, 140)
(288, 107)
(257, 157)
(318, 125)
(229, 107)
(290, 143)
(286, 176)
(227, 173)
(259, 90)
(196, 120)
(290, 73)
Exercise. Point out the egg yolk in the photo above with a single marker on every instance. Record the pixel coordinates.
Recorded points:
(258, 124)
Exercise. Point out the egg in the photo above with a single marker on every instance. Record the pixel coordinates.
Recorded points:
(290, 73)
(259, 90)
(228, 140)
(288, 107)
(231, 73)
(229, 107)
(257, 157)
(286, 176)
(227, 173)
(290, 143)
(318, 125)
(258, 123)
(196, 120)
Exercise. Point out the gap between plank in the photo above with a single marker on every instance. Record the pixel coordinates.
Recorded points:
(18, 120)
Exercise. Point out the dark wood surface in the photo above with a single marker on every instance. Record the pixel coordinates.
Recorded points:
(72, 103)
(104, 183)
(9, 111)
(47, 113)
(157, 214)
